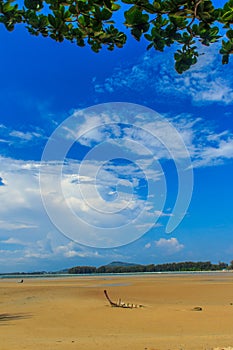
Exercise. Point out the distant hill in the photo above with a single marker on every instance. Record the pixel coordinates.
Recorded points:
(120, 264)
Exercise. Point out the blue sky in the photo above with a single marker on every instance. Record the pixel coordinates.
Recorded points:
(120, 175)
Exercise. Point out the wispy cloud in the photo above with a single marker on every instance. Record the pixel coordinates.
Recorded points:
(166, 137)
(206, 146)
(46, 253)
(25, 136)
(205, 83)
(6, 225)
(17, 137)
(11, 241)
(160, 213)
(71, 250)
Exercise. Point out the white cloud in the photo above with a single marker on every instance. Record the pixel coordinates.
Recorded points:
(25, 136)
(212, 148)
(12, 137)
(89, 198)
(148, 245)
(169, 246)
(21, 190)
(52, 246)
(162, 214)
(13, 240)
(4, 141)
(5, 225)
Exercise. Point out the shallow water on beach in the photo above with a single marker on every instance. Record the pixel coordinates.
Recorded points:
(59, 276)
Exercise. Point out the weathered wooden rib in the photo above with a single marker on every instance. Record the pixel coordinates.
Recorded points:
(120, 304)
(110, 301)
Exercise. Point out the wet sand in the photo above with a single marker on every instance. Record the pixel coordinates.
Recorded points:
(73, 313)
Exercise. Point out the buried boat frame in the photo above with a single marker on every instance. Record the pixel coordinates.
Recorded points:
(120, 303)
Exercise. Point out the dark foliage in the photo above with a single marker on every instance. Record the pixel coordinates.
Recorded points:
(162, 23)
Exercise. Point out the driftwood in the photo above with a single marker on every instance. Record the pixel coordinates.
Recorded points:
(120, 303)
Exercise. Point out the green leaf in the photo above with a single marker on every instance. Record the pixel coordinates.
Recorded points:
(148, 37)
(95, 47)
(128, 1)
(43, 21)
(149, 8)
(156, 5)
(115, 7)
(225, 59)
(10, 27)
(108, 4)
(135, 16)
(82, 20)
(230, 34)
(7, 7)
(228, 16)
(33, 20)
(137, 33)
(73, 10)
(33, 4)
(52, 20)
(106, 14)
(150, 46)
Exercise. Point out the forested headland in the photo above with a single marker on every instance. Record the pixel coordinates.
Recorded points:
(119, 267)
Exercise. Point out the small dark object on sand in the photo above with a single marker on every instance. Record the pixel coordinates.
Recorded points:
(21, 281)
(197, 308)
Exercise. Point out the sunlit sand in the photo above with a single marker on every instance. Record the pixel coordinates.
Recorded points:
(179, 312)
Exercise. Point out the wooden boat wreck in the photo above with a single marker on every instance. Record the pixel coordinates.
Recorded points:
(120, 303)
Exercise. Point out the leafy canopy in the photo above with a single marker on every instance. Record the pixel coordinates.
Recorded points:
(161, 22)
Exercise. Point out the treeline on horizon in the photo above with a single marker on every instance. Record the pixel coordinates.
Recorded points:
(167, 267)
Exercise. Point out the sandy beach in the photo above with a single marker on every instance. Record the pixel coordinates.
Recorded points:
(72, 313)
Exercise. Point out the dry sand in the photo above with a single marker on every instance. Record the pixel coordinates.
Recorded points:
(73, 313)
